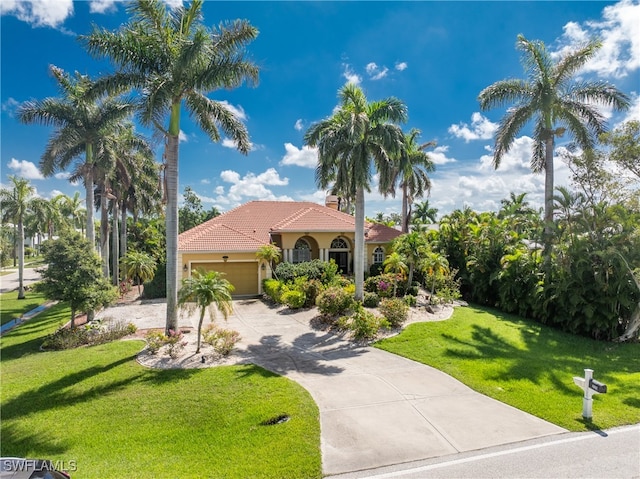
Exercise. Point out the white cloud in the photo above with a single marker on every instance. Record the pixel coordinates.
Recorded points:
(252, 186)
(205, 181)
(481, 129)
(401, 66)
(351, 76)
(219, 190)
(229, 143)
(62, 175)
(173, 3)
(299, 124)
(182, 136)
(618, 31)
(25, 169)
(633, 113)
(102, 6)
(307, 157)
(518, 157)
(39, 13)
(10, 106)
(375, 72)
(237, 111)
(439, 155)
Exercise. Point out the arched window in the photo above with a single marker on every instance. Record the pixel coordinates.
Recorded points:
(301, 251)
(378, 255)
(339, 243)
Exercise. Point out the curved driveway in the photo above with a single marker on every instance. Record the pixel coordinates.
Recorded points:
(376, 408)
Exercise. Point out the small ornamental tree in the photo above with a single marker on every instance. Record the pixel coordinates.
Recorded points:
(74, 275)
(139, 265)
(206, 291)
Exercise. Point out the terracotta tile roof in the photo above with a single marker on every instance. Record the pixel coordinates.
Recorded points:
(247, 227)
(380, 233)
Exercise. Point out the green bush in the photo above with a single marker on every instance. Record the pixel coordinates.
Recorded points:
(294, 299)
(157, 287)
(363, 324)
(324, 271)
(395, 310)
(221, 340)
(89, 334)
(312, 288)
(334, 301)
(376, 269)
(385, 285)
(411, 300)
(273, 289)
(371, 300)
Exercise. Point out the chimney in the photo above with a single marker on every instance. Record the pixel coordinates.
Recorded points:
(332, 202)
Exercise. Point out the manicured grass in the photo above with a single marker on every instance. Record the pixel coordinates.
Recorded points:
(528, 365)
(11, 307)
(98, 407)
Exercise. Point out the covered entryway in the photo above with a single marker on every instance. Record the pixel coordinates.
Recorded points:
(242, 275)
(342, 260)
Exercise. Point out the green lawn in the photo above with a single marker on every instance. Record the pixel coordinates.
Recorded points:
(528, 365)
(98, 407)
(11, 307)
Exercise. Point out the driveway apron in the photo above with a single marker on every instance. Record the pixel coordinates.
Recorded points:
(376, 408)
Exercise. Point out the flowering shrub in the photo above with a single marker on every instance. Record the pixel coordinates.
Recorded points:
(221, 340)
(363, 324)
(125, 287)
(155, 340)
(385, 285)
(175, 343)
(395, 310)
(334, 301)
(93, 333)
(371, 300)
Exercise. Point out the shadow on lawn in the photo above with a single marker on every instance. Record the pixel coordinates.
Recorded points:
(540, 350)
(18, 443)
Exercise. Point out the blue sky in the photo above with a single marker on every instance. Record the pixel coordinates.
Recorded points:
(435, 56)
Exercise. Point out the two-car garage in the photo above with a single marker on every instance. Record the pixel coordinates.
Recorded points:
(243, 275)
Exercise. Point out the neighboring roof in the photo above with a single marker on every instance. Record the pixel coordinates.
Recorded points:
(248, 227)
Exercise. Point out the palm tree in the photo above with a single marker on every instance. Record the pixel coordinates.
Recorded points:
(424, 213)
(71, 207)
(15, 204)
(80, 121)
(269, 253)
(555, 104)
(413, 246)
(412, 166)
(203, 291)
(138, 265)
(173, 60)
(356, 135)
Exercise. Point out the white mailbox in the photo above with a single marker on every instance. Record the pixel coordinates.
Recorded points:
(590, 387)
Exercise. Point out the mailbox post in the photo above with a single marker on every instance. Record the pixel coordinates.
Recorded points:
(590, 387)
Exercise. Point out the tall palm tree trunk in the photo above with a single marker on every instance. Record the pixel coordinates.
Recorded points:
(358, 260)
(405, 209)
(20, 258)
(88, 184)
(171, 214)
(104, 232)
(548, 200)
(115, 240)
(123, 230)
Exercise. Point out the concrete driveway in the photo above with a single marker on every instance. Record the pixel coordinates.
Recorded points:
(376, 408)
(9, 282)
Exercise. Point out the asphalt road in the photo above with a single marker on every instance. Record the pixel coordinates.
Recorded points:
(604, 454)
(9, 282)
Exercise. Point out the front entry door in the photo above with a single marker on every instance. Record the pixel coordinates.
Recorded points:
(342, 260)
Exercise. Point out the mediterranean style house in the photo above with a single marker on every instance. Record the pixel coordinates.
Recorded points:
(302, 230)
